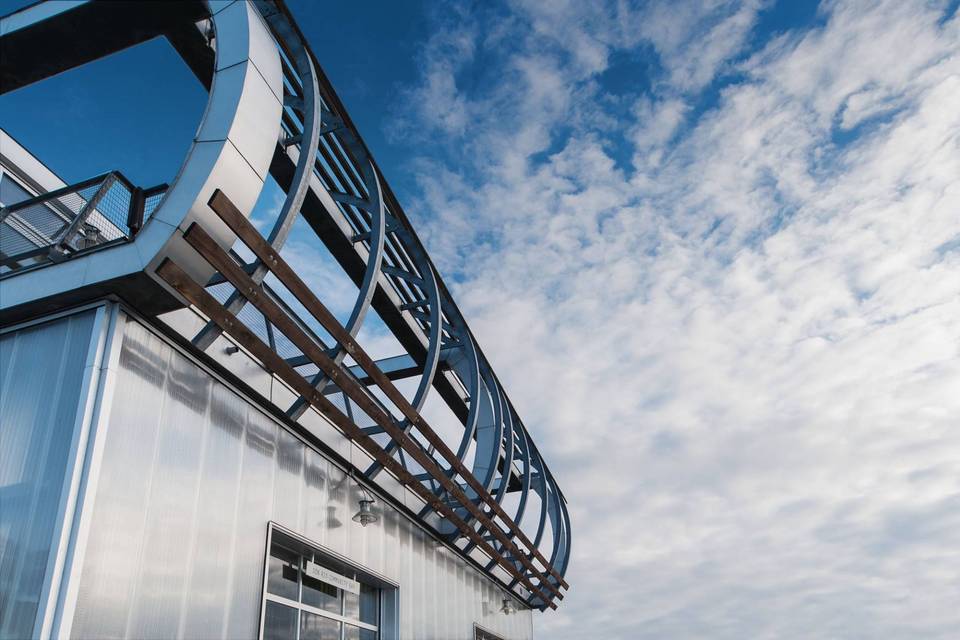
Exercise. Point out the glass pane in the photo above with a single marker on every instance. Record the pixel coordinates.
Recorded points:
(314, 627)
(356, 633)
(282, 579)
(369, 604)
(320, 595)
(351, 605)
(280, 623)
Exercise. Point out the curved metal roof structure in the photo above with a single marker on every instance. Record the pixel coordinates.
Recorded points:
(272, 111)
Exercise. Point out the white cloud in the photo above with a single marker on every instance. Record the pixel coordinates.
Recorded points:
(738, 350)
(437, 100)
(657, 123)
(695, 39)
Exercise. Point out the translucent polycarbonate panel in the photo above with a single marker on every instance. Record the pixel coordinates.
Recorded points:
(288, 480)
(42, 372)
(192, 474)
(221, 464)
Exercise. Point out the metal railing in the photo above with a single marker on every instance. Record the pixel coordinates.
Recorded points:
(55, 226)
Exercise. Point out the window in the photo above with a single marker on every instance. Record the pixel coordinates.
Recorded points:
(309, 595)
(479, 633)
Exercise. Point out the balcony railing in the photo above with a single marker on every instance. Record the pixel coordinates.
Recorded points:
(58, 225)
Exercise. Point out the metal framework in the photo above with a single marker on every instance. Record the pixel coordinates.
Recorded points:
(318, 158)
(83, 216)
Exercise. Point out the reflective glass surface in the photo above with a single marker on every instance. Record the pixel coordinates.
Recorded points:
(313, 627)
(369, 604)
(282, 579)
(320, 595)
(351, 632)
(351, 605)
(280, 622)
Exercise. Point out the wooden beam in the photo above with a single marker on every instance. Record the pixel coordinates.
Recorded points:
(238, 223)
(222, 262)
(177, 278)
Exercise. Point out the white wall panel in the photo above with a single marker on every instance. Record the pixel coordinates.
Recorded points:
(191, 475)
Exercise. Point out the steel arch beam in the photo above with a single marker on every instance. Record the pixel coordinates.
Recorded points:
(489, 433)
(560, 556)
(489, 439)
(523, 446)
(465, 363)
(505, 447)
(309, 101)
(509, 446)
(373, 204)
(431, 362)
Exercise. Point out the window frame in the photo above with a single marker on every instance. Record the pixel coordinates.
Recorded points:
(482, 633)
(325, 557)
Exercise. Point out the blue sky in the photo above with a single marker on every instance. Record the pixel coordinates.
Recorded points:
(372, 53)
(711, 248)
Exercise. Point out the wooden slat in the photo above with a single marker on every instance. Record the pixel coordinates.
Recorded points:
(176, 277)
(234, 219)
(220, 260)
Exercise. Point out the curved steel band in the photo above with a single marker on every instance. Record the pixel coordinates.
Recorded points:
(329, 177)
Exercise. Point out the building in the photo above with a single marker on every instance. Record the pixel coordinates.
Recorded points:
(192, 444)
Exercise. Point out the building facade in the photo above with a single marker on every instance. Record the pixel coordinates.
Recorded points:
(193, 445)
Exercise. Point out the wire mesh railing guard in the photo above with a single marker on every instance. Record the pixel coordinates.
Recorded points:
(55, 226)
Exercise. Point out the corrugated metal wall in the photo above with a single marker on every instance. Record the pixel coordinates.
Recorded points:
(191, 475)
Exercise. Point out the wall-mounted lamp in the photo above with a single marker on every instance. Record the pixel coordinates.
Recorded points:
(507, 607)
(366, 515)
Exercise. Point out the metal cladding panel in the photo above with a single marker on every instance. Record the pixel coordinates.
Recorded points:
(191, 475)
(42, 373)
